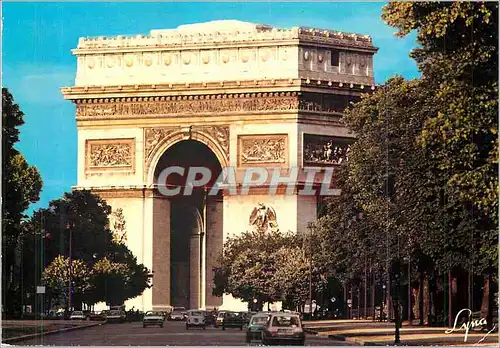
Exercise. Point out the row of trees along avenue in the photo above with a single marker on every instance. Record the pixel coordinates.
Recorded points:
(416, 224)
(37, 250)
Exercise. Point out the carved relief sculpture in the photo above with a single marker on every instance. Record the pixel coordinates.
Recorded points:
(114, 153)
(220, 134)
(262, 149)
(188, 105)
(325, 150)
(263, 219)
(153, 137)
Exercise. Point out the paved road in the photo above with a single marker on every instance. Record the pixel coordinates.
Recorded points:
(173, 333)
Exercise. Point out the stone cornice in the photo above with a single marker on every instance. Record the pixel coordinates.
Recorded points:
(164, 39)
(340, 86)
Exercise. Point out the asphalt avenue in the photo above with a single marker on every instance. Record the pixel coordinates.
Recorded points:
(173, 333)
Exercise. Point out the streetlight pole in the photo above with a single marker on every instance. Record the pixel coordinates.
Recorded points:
(69, 226)
(310, 272)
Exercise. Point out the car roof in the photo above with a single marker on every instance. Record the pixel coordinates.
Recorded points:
(261, 315)
(284, 314)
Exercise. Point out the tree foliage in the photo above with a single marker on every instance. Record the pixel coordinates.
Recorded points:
(264, 266)
(21, 186)
(114, 273)
(458, 59)
(57, 275)
(421, 181)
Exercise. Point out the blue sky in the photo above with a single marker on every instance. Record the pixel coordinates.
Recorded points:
(38, 37)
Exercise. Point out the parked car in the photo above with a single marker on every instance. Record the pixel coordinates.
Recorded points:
(257, 324)
(195, 318)
(165, 315)
(152, 318)
(247, 316)
(220, 318)
(210, 318)
(116, 316)
(283, 328)
(233, 319)
(77, 315)
(178, 313)
(96, 316)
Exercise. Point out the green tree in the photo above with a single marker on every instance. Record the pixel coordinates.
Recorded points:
(458, 59)
(83, 217)
(293, 271)
(21, 186)
(262, 266)
(57, 275)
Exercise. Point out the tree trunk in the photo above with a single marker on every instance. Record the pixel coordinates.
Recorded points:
(421, 299)
(425, 294)
(486, 306)
(373, 296)
(431, 315)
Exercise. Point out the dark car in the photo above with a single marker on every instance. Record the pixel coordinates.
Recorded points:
(210, 318)
(257, 324)
(283, 328)
(233, 319)
(96, 316)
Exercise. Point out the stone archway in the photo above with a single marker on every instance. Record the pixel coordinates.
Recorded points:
(193, 224)
(159, 140)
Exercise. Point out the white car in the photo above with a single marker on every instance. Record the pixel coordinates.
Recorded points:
(77, 315)
(153, 318)
(178, 313)
(116, 316)
(195, 318)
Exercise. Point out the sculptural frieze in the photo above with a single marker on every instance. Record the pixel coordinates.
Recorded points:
(325, 150)
(263, 149)
(103, 154)
(191, 105)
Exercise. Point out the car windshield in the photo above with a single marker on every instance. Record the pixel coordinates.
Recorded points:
(221, 314)
(259, 320)
(151, 313)
(286, 321)
(196, 314)
(178, 309)
(114, 313)
(77, 313)
(232, 315)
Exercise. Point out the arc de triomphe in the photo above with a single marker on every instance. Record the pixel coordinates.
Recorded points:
(216, 94)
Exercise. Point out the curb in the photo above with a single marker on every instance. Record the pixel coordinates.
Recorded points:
(310, 331)
(25, 337)
(355, 340)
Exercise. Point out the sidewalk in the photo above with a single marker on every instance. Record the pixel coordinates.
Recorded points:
(369, 333)
(17, 330)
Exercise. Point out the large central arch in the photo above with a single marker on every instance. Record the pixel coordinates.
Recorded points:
(189, 269)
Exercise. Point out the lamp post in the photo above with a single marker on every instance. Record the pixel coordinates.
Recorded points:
(310, 270)
(382, 318)
(69, 226)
